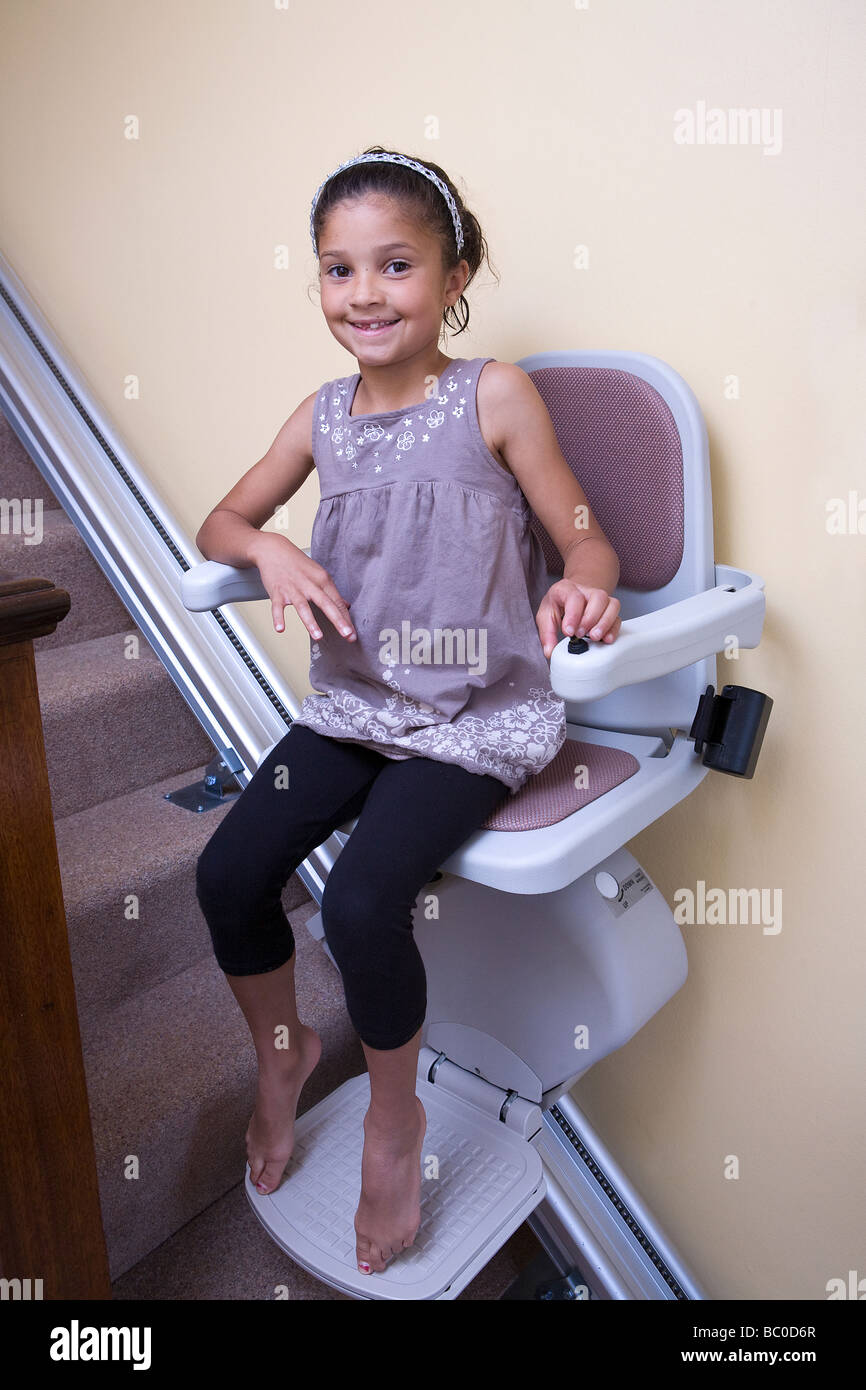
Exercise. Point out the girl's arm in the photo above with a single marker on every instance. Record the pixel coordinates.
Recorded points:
(231, 532)
(580, 601)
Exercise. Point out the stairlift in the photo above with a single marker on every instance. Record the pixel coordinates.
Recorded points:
(546, 945)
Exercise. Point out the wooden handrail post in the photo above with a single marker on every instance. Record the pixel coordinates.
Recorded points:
(50, 1218)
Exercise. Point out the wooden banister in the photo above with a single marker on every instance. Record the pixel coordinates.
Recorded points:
(50, 1218)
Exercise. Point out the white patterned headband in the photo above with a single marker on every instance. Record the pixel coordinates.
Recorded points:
(411, 164)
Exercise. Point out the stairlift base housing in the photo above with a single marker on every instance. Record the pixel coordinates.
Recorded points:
(605, 965)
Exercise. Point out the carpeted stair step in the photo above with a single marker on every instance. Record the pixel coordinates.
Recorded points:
(63, 557)
(113, 720)
(128, 872)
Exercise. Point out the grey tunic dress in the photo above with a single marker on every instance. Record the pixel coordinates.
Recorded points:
(427, 537)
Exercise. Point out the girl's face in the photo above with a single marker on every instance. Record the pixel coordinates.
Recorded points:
(376, 265)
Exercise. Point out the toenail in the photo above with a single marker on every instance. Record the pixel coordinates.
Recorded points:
(365, 1268)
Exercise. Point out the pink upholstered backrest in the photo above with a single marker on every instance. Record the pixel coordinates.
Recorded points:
(622, 444)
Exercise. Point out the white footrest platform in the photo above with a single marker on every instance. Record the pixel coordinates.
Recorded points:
(480, 1181)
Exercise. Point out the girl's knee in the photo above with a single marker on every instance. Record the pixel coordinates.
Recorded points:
(219, 880)
(354, 914)
(336, 907)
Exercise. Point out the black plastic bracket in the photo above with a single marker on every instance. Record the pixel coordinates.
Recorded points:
(732, 726)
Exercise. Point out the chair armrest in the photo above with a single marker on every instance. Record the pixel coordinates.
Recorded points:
(666, 640)
(211, 584)
(647, 646)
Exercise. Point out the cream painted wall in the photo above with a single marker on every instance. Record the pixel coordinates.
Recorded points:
(155, 257)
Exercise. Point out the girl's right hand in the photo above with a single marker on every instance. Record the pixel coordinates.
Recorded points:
(293, 579)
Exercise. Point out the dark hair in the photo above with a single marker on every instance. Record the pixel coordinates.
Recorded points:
(423, 200)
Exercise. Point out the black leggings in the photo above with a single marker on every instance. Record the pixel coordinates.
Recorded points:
(416, 813)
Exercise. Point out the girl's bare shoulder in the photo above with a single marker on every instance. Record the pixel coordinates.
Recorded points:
(497, 383)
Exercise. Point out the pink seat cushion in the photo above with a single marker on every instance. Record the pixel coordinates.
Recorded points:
(551, 794)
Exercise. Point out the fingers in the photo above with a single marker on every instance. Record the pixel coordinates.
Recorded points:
(548, 631)
(600, 620)
(547, 622)
(591, 613)
(305, 613)
(335, 609)
(558, 611)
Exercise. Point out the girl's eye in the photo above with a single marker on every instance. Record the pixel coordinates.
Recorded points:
(343, 267)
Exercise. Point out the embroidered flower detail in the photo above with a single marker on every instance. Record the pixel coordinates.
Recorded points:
(435, 418)
(337, 434)
(392, 720)
(350, 450)
(513, 743)
(458, 410)
(406, 440)
(324, 429)
(372, 432)
(451, 384)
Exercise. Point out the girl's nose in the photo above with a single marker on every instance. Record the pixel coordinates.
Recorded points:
(365, 299)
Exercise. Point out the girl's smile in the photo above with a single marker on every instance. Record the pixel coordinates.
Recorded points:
(376, 328)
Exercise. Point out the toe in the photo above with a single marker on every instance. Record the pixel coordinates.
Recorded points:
(269, 1177)
(364, 1255)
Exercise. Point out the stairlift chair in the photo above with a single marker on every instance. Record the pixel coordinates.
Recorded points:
(546, 945)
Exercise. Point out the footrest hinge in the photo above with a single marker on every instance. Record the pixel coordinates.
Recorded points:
(522, 1116)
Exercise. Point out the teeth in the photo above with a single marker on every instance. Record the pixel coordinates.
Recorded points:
(380, 323)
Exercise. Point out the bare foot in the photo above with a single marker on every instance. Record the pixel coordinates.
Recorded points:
(271, 1132)
(389, 1212)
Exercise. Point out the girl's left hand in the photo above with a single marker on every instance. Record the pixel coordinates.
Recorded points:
(579, 611)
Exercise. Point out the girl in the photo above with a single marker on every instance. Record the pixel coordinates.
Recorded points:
(436, 702)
